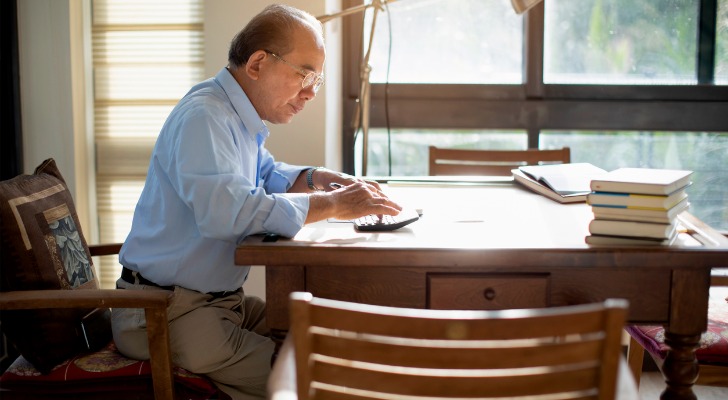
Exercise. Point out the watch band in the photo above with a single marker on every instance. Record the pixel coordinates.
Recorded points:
(309, 179)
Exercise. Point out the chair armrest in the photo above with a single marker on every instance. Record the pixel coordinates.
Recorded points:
(104, 249)
(91, 298)
(282, 380)
(154, 303)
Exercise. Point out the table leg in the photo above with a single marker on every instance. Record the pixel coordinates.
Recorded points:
(278, 336)
(279, 283)
(680, 367)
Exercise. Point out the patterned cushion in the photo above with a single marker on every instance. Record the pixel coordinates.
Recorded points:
(42, 247)
(100, 375)
(713, 347)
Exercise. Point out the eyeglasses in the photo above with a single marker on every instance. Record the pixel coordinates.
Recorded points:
(309, 77)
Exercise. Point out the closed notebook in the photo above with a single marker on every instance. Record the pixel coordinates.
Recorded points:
(642, 180)
(631, 229)
(639, 201)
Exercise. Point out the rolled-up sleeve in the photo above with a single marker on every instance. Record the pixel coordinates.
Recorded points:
(278, 176)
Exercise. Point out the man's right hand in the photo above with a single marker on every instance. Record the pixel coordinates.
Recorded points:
(351, 201)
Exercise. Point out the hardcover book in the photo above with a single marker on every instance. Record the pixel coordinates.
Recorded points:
(642, 180)
(638, 201)
(628, 241)
(636, 214)
(631, 229)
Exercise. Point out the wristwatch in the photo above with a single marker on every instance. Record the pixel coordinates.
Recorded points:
(309, 179)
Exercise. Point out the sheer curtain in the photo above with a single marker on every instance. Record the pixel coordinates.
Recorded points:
(146, 55)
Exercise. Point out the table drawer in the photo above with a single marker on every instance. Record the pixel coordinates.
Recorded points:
(487, 291)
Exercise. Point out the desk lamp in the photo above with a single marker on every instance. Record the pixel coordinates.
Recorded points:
(362, 112)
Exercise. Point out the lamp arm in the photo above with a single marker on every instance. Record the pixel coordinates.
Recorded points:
(348, 11)
(353, 10)
(365, 94)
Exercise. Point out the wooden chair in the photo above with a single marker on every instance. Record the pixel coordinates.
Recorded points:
(121, 379)
(490, 162)
(154, 303)
(346, 351)
(712, 353)
(57, 317)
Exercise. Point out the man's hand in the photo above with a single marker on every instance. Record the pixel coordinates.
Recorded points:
(353, 200)
(323, 178)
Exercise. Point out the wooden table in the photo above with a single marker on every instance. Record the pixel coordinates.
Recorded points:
(496, 246)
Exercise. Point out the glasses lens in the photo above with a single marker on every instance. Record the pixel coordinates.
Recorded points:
(312, 79)
(319, 82)
(308, 79)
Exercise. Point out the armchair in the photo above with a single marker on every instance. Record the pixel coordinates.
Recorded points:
(48, 285)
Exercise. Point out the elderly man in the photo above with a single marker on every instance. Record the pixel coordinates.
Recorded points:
(211, 182)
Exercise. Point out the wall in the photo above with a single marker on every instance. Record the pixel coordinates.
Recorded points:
(55, 94)
(52, 66)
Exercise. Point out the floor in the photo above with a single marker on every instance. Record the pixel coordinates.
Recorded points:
(652, 385)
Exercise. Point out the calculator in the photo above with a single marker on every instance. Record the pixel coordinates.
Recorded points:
(372, 223)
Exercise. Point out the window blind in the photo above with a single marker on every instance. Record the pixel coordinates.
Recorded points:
(146, 55)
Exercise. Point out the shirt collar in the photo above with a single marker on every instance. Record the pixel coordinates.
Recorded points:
(241, 103)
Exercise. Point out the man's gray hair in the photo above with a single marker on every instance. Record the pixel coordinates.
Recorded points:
(271, 30)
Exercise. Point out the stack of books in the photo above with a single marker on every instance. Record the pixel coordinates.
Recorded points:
(637, 206)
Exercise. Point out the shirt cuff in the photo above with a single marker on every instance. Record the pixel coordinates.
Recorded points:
(288, 214)
(283, 178)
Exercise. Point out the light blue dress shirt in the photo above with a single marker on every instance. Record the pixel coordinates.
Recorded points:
(211, 182)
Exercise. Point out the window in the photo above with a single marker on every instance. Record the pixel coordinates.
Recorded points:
(146, 55)
(606, 42)
(457, 46)
(721, 47)
(622, 83)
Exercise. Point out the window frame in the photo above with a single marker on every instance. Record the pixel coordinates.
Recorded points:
(534, 106)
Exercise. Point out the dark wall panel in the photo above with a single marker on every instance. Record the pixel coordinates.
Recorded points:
(11, 142)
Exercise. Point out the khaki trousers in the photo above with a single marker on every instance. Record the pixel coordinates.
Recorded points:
(225, 339)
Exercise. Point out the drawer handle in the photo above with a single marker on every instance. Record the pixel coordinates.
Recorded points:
(489, 294)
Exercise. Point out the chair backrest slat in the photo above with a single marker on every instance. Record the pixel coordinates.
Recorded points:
(490, 162)
(460, 354)
(448, 324)
(454, 383)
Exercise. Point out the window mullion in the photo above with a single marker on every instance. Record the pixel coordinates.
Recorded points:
(533, 36)
(706, 41)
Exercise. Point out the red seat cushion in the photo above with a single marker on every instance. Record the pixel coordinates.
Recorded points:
(713, 347)
(104, 371)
